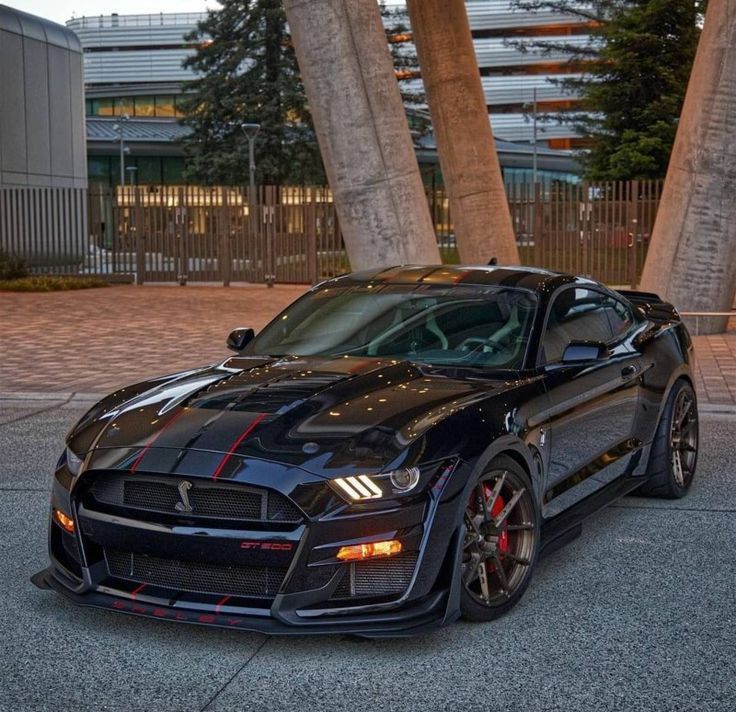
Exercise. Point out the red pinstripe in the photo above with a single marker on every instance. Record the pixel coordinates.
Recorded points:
(137, 590)
(137, 462)
(236, 444)
(221, 603)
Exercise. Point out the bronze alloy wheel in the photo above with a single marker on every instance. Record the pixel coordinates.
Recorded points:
(501, 538)
(674, 452)
(684, 437)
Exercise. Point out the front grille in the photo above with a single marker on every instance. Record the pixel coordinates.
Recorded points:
(380, 577)
(207, 499)
(196, 576)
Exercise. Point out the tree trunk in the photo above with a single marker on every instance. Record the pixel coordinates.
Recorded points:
(362, 132)
(467, 151)
(692, 257)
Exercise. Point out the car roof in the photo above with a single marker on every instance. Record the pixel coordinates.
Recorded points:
(530, 278)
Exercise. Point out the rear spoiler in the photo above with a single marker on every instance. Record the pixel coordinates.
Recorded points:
(653, 306)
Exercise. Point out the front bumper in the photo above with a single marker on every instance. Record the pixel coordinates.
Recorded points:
(311, 594)
(409, 620)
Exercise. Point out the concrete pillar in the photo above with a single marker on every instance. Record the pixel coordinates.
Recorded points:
(362, 131)
(467, 151)
(692, 256)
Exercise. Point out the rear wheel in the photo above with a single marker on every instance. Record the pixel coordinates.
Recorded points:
(674, 454)
(501, 541)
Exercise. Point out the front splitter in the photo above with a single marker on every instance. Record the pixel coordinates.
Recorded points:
(416, 619)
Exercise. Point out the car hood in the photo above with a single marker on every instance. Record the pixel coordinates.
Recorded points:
(325, 415)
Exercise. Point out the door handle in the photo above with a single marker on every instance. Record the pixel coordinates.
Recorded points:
(628, 372)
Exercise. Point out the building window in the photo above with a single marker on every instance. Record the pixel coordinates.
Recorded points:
(102, 107)
(165, 106)
(173, 170)
(149, 170)
(145, 106)
(180, 103)
(124, 105)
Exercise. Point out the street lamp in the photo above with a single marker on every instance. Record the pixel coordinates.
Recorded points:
(121, 138)
(131, 172)
(251, 131)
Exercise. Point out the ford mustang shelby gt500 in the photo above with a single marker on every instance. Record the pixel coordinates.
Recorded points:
(390, 453)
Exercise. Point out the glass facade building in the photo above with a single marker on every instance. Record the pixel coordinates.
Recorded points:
(133, 68)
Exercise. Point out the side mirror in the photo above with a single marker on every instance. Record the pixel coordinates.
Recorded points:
(240, 338)
(578, 351)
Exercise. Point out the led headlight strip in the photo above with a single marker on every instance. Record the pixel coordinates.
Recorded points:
(359, 488)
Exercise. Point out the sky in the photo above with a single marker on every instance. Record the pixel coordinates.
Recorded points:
(62, 10)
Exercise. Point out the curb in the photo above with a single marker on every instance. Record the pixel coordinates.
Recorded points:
(716, 409)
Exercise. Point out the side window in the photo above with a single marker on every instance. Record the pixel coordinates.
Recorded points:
(621, 318)
(581, 315)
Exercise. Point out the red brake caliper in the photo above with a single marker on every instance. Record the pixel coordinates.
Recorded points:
(503, 538)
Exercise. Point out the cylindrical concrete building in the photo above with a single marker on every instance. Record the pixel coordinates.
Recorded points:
(43, 169)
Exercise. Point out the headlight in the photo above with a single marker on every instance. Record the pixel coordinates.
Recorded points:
(360, 488)
(73, 462)
(404, 480)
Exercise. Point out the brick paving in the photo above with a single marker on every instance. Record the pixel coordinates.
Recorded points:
(715, 371)
(92, 341)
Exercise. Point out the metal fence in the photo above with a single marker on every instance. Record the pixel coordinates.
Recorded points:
(212, 234)
(187, 233)
(46, 227)
(597, 229)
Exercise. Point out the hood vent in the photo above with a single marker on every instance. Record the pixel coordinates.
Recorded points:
(274, 397)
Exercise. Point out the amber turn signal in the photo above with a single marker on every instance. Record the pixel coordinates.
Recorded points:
(357, 552)
(65, 522)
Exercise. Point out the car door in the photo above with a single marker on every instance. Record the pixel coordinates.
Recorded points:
(592, 404)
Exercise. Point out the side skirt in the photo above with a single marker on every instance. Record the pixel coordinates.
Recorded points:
(566, 526)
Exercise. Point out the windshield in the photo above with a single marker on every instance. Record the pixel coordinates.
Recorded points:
(459, 325)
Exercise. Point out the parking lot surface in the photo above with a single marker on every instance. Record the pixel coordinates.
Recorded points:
(637, 614)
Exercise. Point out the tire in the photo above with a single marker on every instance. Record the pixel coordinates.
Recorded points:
(501, 548)
(674, 454)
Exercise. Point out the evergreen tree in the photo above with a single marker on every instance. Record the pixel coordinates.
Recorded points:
(247, 73)
(636, 68)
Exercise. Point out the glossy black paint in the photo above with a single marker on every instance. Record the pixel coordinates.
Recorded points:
(240, 338)
(581, 428)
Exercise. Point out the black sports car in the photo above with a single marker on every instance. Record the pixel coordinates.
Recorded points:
(391, 452)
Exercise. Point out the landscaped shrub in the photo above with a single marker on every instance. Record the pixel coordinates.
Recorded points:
(11, 267)
(50, 283)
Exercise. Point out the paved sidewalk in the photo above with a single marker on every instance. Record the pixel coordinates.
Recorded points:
(92, 341)
(716, 367)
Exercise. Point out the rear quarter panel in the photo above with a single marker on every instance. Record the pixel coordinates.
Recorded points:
(667, 357)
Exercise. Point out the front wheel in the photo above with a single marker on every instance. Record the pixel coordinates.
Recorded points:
(501, 541)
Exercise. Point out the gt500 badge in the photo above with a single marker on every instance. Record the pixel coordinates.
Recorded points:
(267, 545)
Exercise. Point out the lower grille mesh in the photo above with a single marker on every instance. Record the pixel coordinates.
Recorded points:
(196, 576)
(380, 577)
